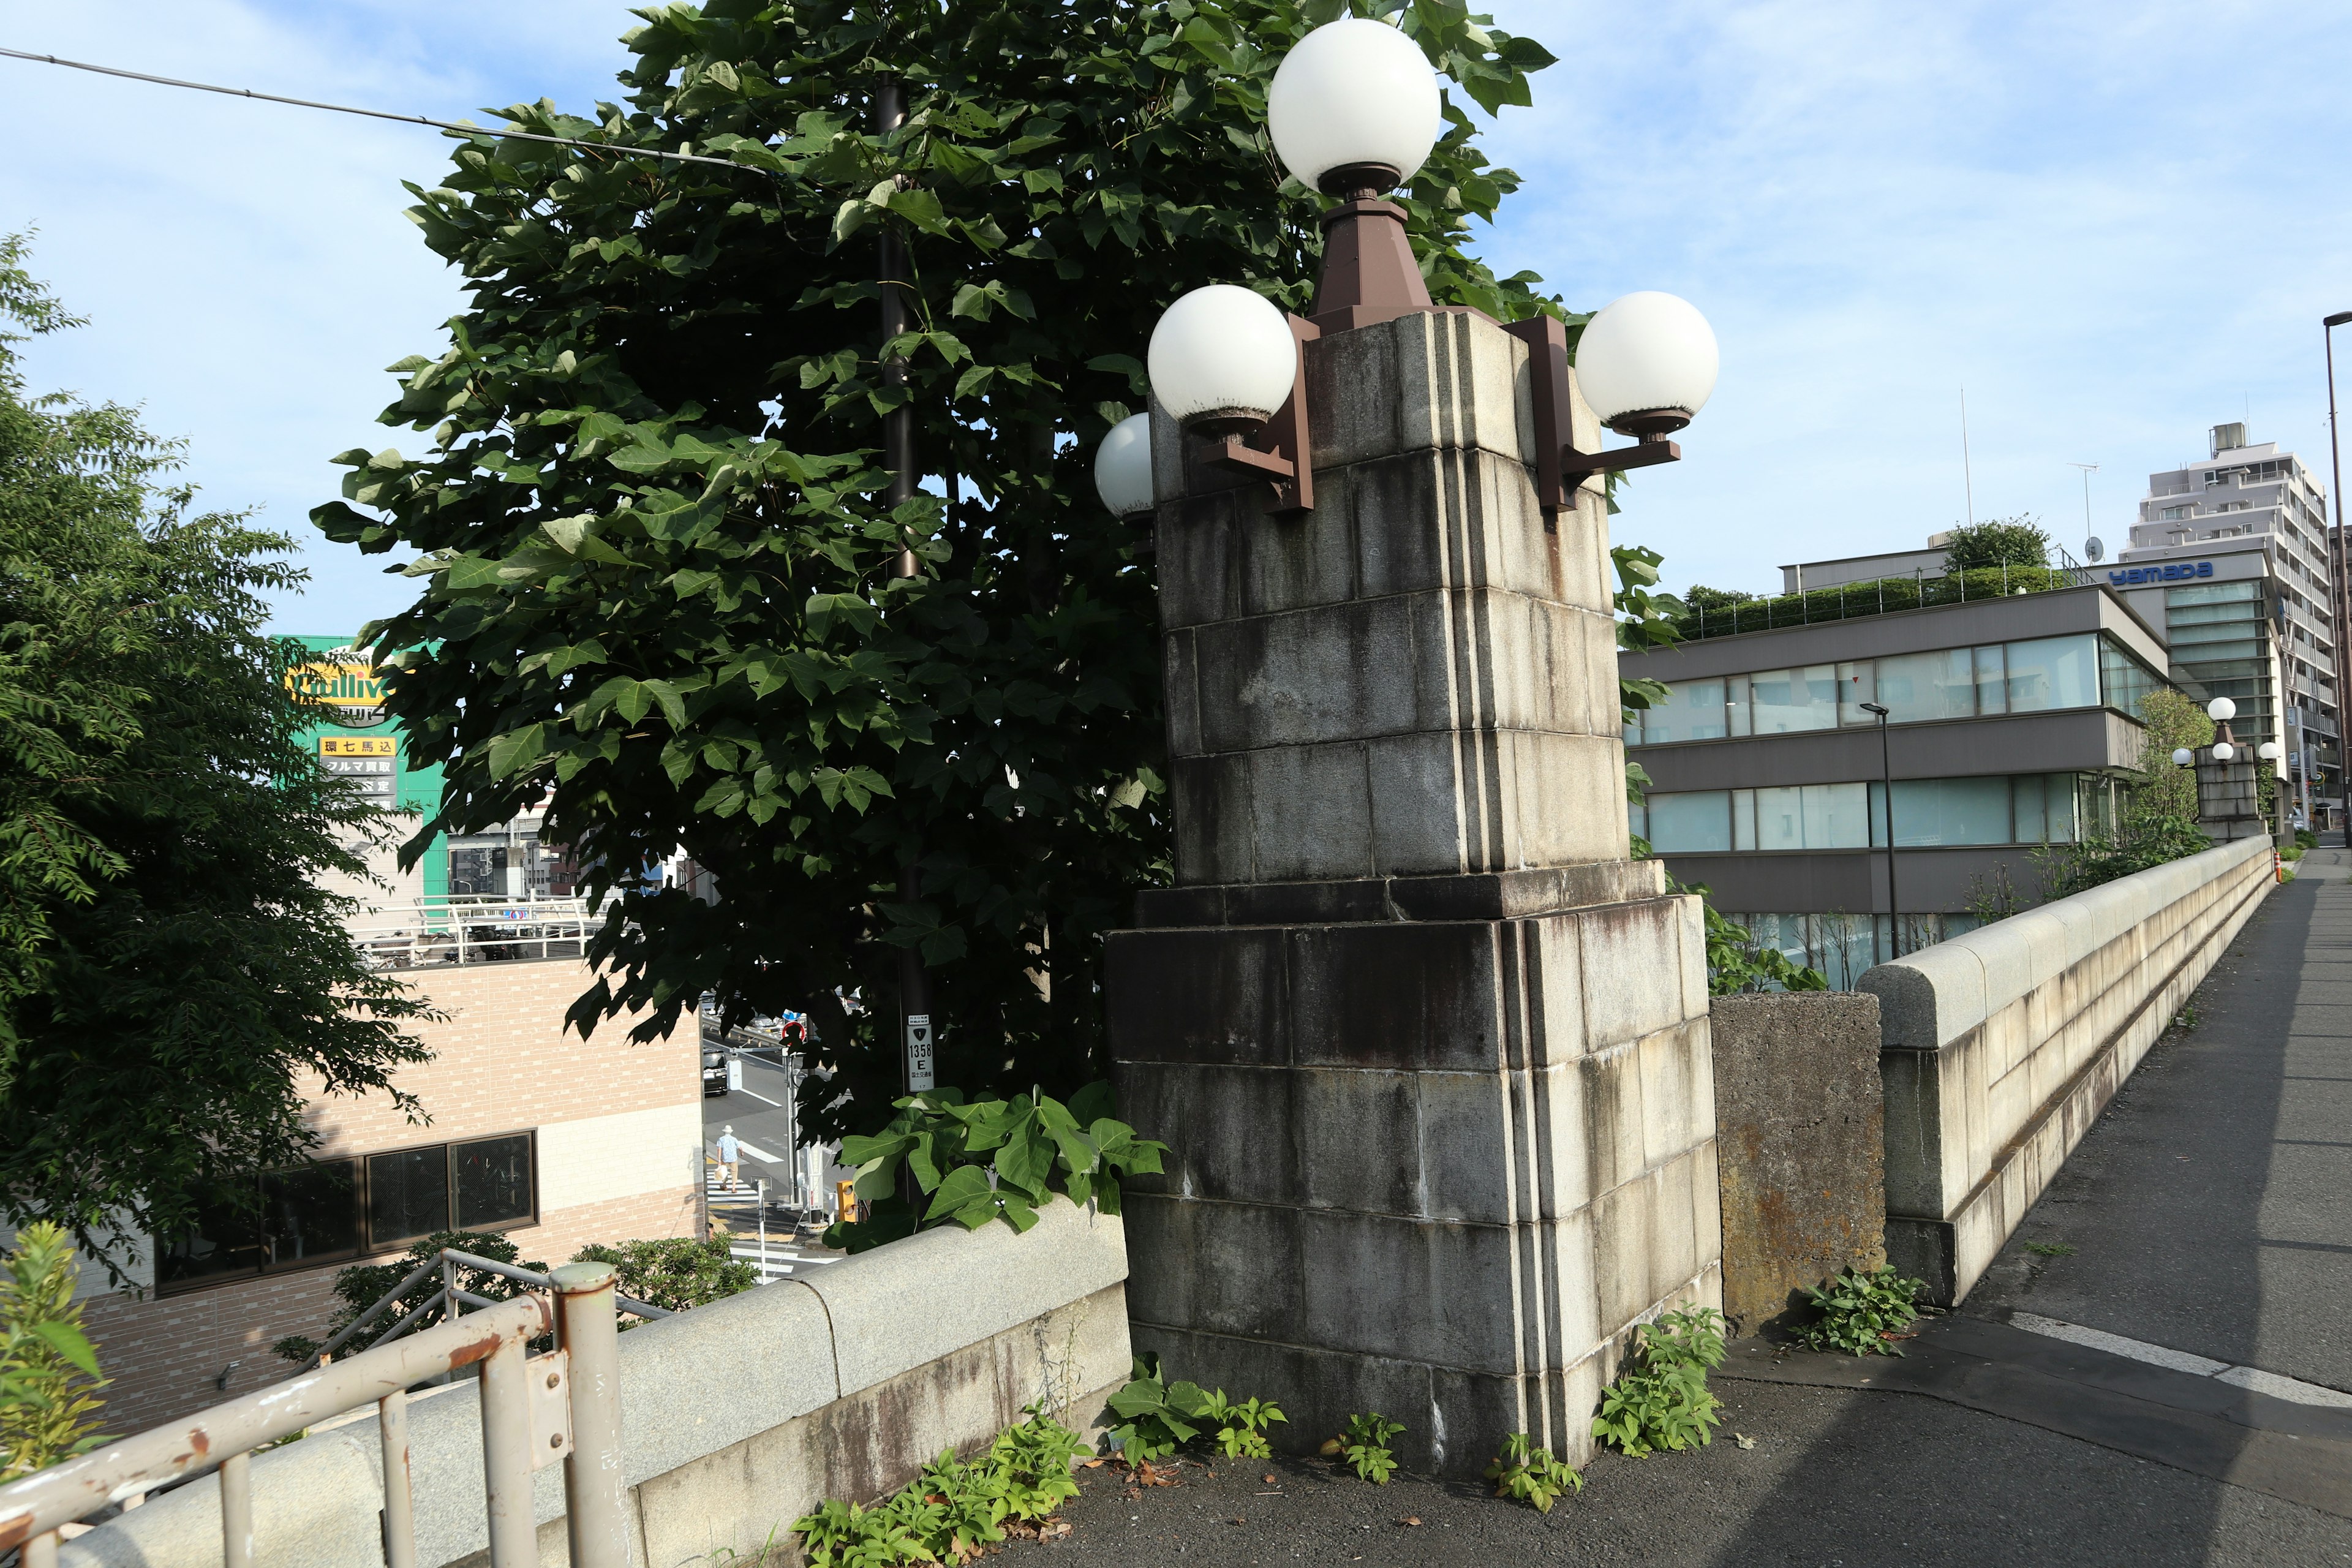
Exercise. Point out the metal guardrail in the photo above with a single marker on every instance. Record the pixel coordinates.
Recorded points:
(452, 1301)
(445, 929)
(562, 1406)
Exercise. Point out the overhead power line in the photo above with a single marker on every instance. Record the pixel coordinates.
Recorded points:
(458, 126)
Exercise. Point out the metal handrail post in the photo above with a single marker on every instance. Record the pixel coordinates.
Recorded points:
(236, 1511)
(399, 1494)
(506, 1455)
(595, 1488)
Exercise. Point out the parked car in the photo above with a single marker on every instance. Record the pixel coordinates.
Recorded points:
(714, 1073)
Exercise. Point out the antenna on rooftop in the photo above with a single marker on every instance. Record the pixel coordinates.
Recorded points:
(1968, 476)
(2091, 545)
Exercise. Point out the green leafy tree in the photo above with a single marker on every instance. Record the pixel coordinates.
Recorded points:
(169, 963)
(2159, 817)
(649, 522)
(674, 1272)
(2003, 541)
(1705, 599)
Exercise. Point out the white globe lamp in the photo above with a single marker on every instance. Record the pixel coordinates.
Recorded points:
(2268, 750)
(1123, 466)
(2224, 751)
(1223, 359)
(1354, 108)
(2183, 757)
(2220, 709)
(1647, 363)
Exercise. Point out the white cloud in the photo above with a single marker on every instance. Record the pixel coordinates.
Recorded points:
(2099, 218)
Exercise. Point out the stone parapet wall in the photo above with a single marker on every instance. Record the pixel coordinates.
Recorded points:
(736, 1418)
(2000, 1048)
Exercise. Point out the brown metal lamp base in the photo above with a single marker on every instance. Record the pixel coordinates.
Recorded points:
(1282, 449)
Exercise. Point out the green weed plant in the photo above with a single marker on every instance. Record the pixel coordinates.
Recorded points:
(1661, 1399)
(1862, 1313)
(1528, 1474)
(956, 1509)
(1364, 1447)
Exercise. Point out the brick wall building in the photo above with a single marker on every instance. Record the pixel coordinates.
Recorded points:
(603, 1138)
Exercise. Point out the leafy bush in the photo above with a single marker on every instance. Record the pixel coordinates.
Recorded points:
(1532, 1475)
(955, 1510)
(2002, 542)
(1661, 1399)
(1157, 1417)
(2304, 838)
(993, 1159)
(674, 1272)
(1240, 1428)
(363, 1285)
(1861, 1314)
(1365, 1445)
(49, 1374)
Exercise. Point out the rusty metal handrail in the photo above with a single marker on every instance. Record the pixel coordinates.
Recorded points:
(577, 1421)
(449, 1291)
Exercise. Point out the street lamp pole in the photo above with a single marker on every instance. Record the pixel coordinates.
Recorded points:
(2339, 592)
(1886, 787)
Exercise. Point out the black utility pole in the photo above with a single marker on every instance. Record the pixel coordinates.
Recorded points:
(899, 454)
(1887, 785)
(2339, 592)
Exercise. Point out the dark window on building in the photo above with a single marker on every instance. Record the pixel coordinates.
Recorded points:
(494, 1186)
(342, 1209)
(408, 1195)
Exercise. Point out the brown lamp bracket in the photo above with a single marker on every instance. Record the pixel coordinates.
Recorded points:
(1559, 466)
(1280, 451)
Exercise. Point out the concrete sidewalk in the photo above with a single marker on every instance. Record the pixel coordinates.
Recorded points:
(2209, 1212)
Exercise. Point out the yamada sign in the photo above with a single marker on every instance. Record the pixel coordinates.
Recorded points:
(343, 681)
(2173, 572)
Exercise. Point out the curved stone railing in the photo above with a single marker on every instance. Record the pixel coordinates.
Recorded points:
(1998, 1050)
(736, 1418)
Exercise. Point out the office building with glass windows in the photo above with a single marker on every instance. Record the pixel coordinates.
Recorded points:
(2230, 559)
(2009, 722)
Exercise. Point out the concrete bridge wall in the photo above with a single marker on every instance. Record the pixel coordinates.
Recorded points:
(2000, 1048)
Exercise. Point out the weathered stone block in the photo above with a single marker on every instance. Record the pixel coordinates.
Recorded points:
(1797, 1138)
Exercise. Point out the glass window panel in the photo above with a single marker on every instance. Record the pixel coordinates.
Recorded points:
(408, 1195)
(1919, 687)
(1992, 682)
(1737, 710)
(1696, 823)
(2025, 805)
(1857, 684)
(312, 1213)
(1634, 729)
(223, 1240)
(2053, 672)
(2213, 592)
(1790, 700)
(1779, 819)
(1743, 819)
(493, 1181)
(2059, 806)
(1837, 816)
(1637, 818)
(1933, 812)
(1693, 711)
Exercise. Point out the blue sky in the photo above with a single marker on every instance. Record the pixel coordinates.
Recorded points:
(2115, 224)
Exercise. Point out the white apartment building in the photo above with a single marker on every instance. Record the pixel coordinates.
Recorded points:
(2266, 639)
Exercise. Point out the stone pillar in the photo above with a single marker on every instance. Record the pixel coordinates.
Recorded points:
(1431, 1053)
(2228, 804)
